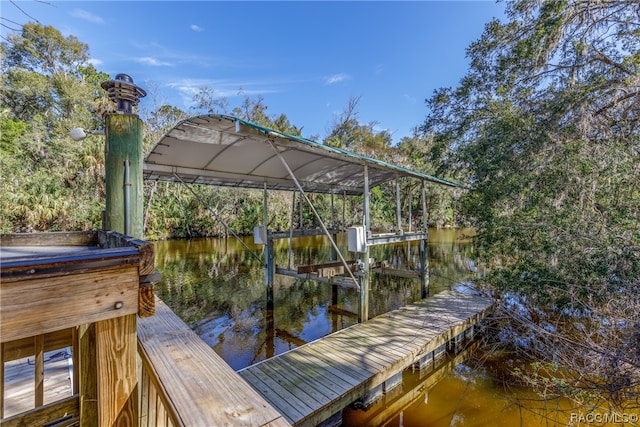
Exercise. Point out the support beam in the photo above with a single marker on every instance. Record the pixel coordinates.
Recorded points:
(293, 210)
(313, 209)
(367, 217)
(424, 248)
(39, 370)
(425, 218)
(424, 269)
(268, 250)
(364, 274)
(269, 266)
(398, 206)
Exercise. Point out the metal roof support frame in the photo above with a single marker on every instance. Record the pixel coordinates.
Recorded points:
(313, 209)
(217, 217)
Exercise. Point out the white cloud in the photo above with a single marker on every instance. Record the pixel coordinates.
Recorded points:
(379, 69)
(95, 62)
(197, 28)
(336, 78)
(87, 16)
(148, 60)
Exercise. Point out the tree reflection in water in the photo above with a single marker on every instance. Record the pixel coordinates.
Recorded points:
(218, 288)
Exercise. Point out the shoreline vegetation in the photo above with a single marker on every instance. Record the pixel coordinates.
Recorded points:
(544, 128)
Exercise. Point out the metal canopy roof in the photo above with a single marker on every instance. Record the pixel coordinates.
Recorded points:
(223, 150)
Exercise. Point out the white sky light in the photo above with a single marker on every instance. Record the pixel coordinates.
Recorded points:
(305, 58)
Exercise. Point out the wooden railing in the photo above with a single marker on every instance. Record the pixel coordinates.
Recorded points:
(153, 400)
(185, 383)
(128, 368)
(79, 291)
(46, 406)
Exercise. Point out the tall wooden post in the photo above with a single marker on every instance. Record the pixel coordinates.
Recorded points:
(108, 348)
(424, 249)
(363, 277)
(124, 198)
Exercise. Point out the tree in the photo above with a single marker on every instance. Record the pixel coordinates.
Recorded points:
(48, 87)
(347, 131)
(544, 127)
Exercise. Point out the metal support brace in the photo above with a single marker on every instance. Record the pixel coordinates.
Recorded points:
(425, 219)
(313, 209)
(398, 207)
(293, 212)
(217, 217)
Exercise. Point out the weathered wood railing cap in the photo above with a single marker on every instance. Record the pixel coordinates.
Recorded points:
(28, 256)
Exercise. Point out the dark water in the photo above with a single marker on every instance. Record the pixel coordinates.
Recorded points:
(217, 286)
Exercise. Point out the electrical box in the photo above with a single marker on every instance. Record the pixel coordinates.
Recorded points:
(356, 238)
(260, 234)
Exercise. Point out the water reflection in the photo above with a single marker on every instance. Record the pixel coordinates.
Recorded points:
(218, 287)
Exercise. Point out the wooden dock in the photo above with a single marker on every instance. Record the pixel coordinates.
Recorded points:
(311, 383)
(198, 387)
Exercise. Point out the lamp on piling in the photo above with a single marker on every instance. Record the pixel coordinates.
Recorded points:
(124, 93)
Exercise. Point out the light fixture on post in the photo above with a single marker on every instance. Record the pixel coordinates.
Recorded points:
(124, 93)
(78, 134)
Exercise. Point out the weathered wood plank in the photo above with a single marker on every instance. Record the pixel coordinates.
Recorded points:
(88, 371)
(111, 239)
(63, 263)
(58, 238)
(44, 414)
(39, 306)
(116, 369)
(342, 379)
(371, 353)
(349, 355)
(320, 382)
(388, 345)
(24, 347)
(200, 388)
(294, 384)
(2, 360)
(38, 367)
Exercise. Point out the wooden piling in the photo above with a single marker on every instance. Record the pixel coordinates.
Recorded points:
(124, 143)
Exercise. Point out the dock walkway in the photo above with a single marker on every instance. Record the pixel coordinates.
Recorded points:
(309, 384)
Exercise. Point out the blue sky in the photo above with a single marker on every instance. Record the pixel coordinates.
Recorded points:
(305, 58)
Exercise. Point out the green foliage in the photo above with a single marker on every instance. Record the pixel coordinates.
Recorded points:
(544, 126)
(49, 182)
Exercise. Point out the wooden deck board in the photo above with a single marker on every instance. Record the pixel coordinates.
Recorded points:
(19, 377)
(311, 382)
(204, 389)
(264, 386)
(387, 345)
(341, 362)
(320, 384)
(294, 384)
(326, 368)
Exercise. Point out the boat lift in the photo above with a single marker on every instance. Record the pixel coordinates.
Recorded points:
(227, 151)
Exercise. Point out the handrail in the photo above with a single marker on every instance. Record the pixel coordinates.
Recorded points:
(185, 383)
